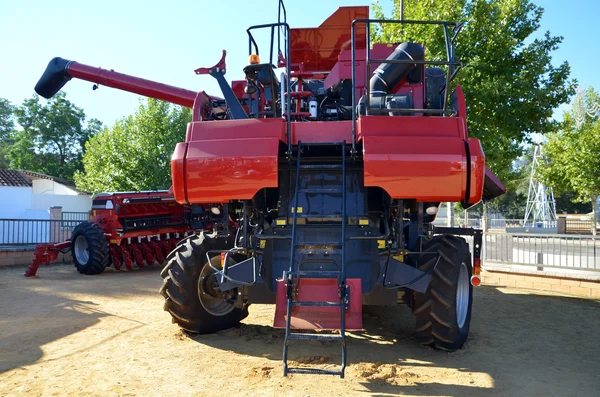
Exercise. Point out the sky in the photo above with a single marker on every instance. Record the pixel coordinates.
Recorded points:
(166, 40)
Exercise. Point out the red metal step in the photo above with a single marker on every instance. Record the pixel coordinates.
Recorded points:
(319, 317)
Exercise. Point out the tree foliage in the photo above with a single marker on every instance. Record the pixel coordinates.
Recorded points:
(135, 153)
(574, 157)
(51, 138)
(510, 84)
(7, 126)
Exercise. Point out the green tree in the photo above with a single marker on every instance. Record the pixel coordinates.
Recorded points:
(52, 137)
(7, 126)
(510, 84)
(135, 153)
(574, 157)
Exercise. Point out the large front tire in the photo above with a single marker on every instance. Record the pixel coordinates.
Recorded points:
(443, 313)
(187, 287)
(89, 248)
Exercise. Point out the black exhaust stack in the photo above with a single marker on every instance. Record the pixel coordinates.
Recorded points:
(54, 78)
(388, 75)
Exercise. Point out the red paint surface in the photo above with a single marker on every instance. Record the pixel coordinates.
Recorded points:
(318, 48)
(419, 167)
(322, 131)
(477, 170)
(120, 81)
(406, 126)
(314, 317)
(226, 160)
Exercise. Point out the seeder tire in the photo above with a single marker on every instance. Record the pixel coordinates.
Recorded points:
(443, 313)
(89, 249)
(181, 287)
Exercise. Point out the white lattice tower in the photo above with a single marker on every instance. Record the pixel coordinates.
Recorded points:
(581, 109)
(540, 199)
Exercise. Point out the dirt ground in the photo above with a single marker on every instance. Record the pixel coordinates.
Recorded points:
(67, 334)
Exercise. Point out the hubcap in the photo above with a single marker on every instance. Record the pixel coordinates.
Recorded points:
(81, 250)
(462, 295)
(212, 299)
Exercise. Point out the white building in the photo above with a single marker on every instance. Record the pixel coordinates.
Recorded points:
(29, 195)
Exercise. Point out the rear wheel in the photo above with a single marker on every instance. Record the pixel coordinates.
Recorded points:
(89, 248)
(191, 291)
(443, 313)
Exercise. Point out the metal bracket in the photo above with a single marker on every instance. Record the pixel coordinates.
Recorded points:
(219, 66)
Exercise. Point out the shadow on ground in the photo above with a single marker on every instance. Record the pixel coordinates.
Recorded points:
(38, 310)
(525, 344)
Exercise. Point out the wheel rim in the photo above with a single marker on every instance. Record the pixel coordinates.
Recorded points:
(462, 295)
(81, 250)
(212, 299)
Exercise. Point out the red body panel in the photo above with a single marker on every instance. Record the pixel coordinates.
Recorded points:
(477, 170)
(322, 131)
(226, 160)
(318, 317)
(318, 48)
(421, 157)
(416, 167)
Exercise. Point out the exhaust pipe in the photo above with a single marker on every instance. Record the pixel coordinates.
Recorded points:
(387, 77)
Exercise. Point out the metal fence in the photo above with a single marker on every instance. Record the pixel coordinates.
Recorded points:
(35, 231)
(547, 250)
(517, 223)
(75, 216)
(576, 226)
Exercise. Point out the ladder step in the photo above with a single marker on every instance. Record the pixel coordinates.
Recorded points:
(302, 336)
(320, 166)
(322, 144)
(320, 216)
(318, 243)
(320, 273)
(317, 190)
(317, 304)
(315, 371)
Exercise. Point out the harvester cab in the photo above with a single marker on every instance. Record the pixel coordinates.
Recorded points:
(332, 173)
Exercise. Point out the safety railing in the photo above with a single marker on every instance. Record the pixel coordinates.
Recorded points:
(35, 231)
(253, 49)
(452, 65)
(545, 250)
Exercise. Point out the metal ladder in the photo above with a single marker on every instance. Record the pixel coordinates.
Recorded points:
(293, 274)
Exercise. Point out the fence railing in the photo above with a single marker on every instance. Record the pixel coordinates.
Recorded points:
(75, 216)
(517, 223)
(547, 250)
(577, 226)
(35, 231)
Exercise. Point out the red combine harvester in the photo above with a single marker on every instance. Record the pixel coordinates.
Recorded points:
(124, 229)
(332, 156)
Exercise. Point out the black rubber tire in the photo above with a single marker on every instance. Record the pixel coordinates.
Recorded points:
(435, 311)
(180, 286)
(97, 248)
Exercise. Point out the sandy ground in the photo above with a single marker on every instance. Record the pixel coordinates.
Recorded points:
(66, 334)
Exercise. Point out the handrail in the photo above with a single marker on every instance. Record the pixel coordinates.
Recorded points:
(287, 68)
(451, 63)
